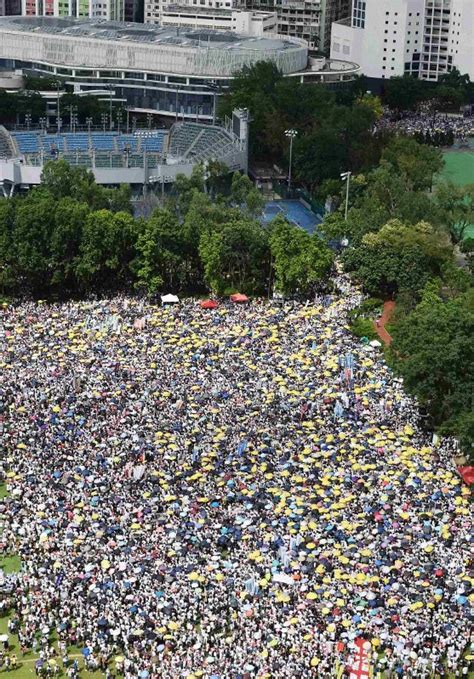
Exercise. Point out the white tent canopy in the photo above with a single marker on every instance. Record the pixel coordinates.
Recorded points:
(169, 299)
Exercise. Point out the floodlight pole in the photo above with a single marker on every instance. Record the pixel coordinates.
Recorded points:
(346, 176)
(291, 134)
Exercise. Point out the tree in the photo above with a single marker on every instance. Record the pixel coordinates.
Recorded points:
(233, 256)
(456, 205)
(404, 93)
(398, 258)
(416, 163)
(66, 237)
(433, 350)
(159, 262)
(299, 260)
(106, 250)
(7, 255)
(34, 221)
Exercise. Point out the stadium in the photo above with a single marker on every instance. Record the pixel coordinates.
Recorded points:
(167, 71)
(140, 158)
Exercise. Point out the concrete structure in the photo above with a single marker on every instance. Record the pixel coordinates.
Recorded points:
(331, 11)
(252, 23)
(111, 10)
(140, 158)
(425, 38)
(10, 7)
(172, 72)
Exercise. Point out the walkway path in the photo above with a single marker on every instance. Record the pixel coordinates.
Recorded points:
(388, 309)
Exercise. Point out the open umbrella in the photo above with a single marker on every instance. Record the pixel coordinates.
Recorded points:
(169, 299)
(239, 298)
(208, 304)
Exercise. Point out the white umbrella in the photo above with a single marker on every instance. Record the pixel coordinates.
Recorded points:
(3, 637)
(375, 343)
(169, 299)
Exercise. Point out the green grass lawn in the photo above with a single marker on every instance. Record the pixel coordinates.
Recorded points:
(3, 490)
(10, 563)
(459, 167)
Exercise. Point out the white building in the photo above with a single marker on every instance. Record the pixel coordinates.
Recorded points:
(247, 22)
(425, 38)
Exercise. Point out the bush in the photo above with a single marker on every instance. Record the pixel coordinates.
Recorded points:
(363, 327)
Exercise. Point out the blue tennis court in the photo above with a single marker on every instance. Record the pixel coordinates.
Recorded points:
(294, 211)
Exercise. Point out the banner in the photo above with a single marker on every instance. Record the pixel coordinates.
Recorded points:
(359, 664)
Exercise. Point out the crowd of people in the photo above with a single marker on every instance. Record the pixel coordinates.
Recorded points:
(225, 494)
(439, 129)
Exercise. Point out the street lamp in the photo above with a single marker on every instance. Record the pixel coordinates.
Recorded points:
(72, 117)
(42, 122)
(134, 123)
(346, 177)
(104, 118)
(59, 122)
(149, 120)
(119, 120)
(28, 120)
(89, 124)
(290, 134)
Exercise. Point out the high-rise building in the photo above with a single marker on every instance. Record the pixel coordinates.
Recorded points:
(112, 10)
(10, 7)
(424, 38)
(331, 11)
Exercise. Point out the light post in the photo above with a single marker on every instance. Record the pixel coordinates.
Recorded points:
(119, 120)
(28, 120)
(346, 177)
(176, 104)
(128, 118)
(134, 123)
(214, 87)
(149, 120)
(42, 122)
(72, 117)
(290, 134)
(58, 114)
(103, 118)
(89, 124)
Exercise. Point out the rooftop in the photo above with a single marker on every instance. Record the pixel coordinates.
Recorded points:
(98, 29)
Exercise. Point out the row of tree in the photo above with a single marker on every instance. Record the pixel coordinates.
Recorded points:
(404, 243)
(70, 236)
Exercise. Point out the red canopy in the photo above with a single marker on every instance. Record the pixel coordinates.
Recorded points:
(239, 298)
(467, 474)
(208, 304)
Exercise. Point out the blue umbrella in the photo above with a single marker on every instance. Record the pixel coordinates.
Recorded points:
(86, 652)
(144, 674)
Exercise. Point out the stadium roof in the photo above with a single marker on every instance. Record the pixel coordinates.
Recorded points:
(142, 33)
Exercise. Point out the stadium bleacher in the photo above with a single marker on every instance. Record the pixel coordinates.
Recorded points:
(186, 142)
(27, 142)
(77, 142)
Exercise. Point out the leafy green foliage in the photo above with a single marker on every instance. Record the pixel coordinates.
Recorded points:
(399, 257)
(300, 260)
(433, 350)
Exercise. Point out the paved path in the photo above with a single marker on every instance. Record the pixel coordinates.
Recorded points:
(388, 309)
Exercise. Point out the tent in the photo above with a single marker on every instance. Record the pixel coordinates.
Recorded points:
(467, 474)
(238, 298)
(208, 304)
(169, 299)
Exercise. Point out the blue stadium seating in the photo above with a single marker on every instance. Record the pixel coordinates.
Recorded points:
(27, 141)
(53, 141)
(153, 142)
(77, 142)
(103, 141)
(127, 141)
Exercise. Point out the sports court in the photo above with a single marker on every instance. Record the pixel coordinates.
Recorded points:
(294, 211)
